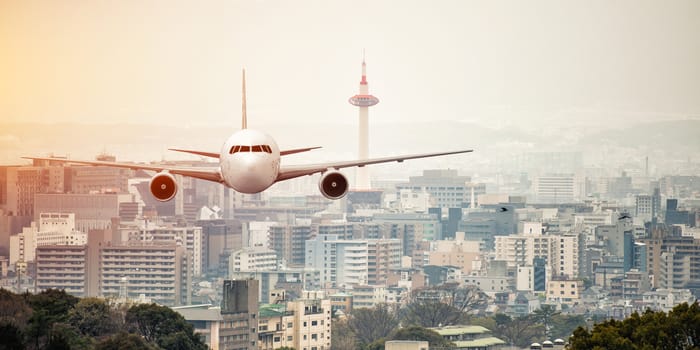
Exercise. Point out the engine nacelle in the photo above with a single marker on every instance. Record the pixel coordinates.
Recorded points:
(163, 186)
(333, 185)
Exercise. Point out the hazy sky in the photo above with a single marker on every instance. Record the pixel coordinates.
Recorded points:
(501, 62)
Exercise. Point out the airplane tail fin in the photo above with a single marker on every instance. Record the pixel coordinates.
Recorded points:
(244, 117)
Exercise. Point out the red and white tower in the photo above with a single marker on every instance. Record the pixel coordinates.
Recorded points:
(363, 100)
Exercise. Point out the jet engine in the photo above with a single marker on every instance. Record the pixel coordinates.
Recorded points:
(163, 186)
(333, 185)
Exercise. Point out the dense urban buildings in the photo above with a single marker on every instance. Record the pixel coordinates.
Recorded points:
(294, 260)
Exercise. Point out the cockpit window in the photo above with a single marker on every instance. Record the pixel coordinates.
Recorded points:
(255, 148)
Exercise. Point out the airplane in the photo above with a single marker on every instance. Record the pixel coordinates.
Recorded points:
(249, 162)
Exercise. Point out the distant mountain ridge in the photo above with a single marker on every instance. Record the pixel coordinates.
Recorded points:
(150, 142)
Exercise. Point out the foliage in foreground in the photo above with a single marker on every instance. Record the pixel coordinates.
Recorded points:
(54, 319)
(677, 329)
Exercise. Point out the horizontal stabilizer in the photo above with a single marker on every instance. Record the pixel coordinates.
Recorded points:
(199, 153)
(297, 150)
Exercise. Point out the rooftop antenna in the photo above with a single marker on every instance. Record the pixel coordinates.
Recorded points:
(244, 117)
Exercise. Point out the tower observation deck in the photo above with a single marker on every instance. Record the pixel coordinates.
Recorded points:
(363, 100)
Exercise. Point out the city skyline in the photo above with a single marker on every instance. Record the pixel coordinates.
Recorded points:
(498, 64)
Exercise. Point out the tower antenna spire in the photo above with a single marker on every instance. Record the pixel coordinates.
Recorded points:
(244, 117)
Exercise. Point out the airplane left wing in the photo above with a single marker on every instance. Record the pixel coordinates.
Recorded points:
(208, 173)
(290, 172)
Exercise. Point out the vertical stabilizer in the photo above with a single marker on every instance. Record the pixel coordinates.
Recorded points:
(244, 117)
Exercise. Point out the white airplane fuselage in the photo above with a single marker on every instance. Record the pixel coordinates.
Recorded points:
(249, 161)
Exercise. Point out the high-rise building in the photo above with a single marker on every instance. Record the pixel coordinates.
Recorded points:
(159, 272)
(239, 311)
(558, 188)
(189, 237)
(62, 267)
(288, 241)
(383, 255)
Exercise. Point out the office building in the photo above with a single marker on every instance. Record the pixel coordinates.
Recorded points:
(50, 229)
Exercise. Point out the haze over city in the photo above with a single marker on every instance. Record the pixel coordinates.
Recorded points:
(496, 63)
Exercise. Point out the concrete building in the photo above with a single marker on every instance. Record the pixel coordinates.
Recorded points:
(21, 183)
(301, 324)
(293, 281)
(469, 337)
(62, 267)
(406, 345)
(565, 291)
(342, 263)
(253, 259)
(93, 179)
(189, 237)
(458, 252)
(92, 211)
(446, 187)
(558, 188)
(239, 310)
(220, 238)
(366, 296)
(161, 272)
(383, 255)
(289, 241)
(50, 229)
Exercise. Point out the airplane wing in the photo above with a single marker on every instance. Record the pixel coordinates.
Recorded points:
(297, 150)
(290, 172)
(216, 155)
(208, 173)
(199, 153)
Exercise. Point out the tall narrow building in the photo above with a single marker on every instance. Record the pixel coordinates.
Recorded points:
(363, 100)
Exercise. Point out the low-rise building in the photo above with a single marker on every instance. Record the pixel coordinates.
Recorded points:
(470, 337)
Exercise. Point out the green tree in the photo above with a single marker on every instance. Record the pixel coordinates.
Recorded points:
(434, 339)
(430, 313)
(370, 325)
(342, 335)
(11, 335)
(544, 315)
(14, 309)
(93, 317)
(64, 336)
(564, 325)
(679, 329)
(161, 325)
(519, 331)
(125, 341)
(49, 307)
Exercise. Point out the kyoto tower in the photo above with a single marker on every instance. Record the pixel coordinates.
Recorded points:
(363, 100)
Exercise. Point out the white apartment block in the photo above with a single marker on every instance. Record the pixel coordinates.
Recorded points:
(525, 278)
(565, 257)
(340, 262)
(558, 188)
(51, 229)
(368, 296)
(253, 259)
(520, 250)
(489, 284)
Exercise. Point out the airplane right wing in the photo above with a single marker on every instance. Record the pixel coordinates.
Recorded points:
(290, 172)
(208, 173)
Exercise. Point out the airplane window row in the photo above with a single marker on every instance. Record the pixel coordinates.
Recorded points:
(256, 148)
